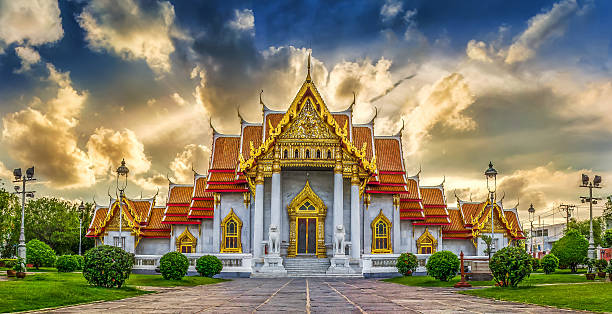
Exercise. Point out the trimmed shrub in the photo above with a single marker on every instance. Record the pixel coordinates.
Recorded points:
(173, 266)
(107, 266)
(607, 238)
(443, 265)
(510, 266)
(39, 254)
(7, 262)
(601, 265)
(407, 264)
(535, 264)
(550, 263)
(208, 266)
(609, 269)
(571, 249)
(79, 261)
(66, 264)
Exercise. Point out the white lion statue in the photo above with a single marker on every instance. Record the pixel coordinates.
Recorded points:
(274, 239)
(339, 243)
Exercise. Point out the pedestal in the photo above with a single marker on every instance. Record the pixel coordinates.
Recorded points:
(273, 264)
(340, 265)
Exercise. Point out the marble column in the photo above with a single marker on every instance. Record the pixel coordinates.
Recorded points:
(275, 205)
(355, 218)
(338, 195)
(258, 215)
(273, 262)
(217, 223)
(395, 224)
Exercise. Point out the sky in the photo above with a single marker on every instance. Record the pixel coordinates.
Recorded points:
(524, 84)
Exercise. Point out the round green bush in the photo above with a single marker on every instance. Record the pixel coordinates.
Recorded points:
(601, 265)
(406, 264)
(208, 266)
(549, 263)
(571, 249)
(510, 266)
(443, 265)
(66, 264)
(107, 266)
(79, 261)
(173, 266)
(535, 264)
(39, 254)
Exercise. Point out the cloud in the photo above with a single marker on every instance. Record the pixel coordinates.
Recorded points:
(28, 57)
(541, 28)
(192, 157)
(106, 148)
(391, 9)
(47, 139)
(477, 50)
(34, 22)
(244, 20)
(442, 102)
(178, 99)
(132, 31)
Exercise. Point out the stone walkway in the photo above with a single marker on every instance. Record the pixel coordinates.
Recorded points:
(312, 295)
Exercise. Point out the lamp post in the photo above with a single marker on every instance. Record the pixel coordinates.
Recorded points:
(19, 178)
(491, 175)
(122, 173)
(81, 210)
(531, 211)
(596, 183)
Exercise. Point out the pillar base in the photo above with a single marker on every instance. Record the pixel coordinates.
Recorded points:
(340, 265)
(21, 250)
(273, 263)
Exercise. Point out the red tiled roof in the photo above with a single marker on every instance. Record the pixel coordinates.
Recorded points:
(391, 178)
(456, 227)
(155, 221)
(177, 210)
(200, 187)
(432, 196)
(225, 155)
(226, 188)
(180, 194)
(410, 206)
(411, 216)
(388, 154)
(413, 188)
(363, 135)
(387, 189)
(434, 221)
(250, 133)
(203, 204)
(341, 119)
(470, 210)
(435, 211)
(156, 234)
(274, 118)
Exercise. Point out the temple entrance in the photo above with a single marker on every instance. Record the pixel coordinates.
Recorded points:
(306, 224)
(307, 236)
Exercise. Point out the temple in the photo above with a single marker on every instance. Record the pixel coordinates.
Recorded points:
(305, 191)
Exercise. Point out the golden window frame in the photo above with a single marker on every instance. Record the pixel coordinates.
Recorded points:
(427, 240)
(186, 239)
(381, 218)
(231, 218)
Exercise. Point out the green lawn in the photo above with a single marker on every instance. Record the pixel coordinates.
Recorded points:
(53, 289)
(589, 297)
(534, 279)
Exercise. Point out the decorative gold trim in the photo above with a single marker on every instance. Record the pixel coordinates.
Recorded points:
(186, 239)
(294, 212)
(387, 222)
(478, 227)
(231, 217)
(427, 240)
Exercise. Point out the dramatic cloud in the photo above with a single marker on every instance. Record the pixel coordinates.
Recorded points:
(46, 139)
(28, 57)
(477, 50)
(243, 21)
(391, 9)
(106, 148)
(132, 31)
(542, 27)
(34, 22)
(194, 157)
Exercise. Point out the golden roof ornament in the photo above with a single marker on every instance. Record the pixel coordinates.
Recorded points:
(308, 75)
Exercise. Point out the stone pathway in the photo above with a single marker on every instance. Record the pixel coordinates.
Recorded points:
(307, 295)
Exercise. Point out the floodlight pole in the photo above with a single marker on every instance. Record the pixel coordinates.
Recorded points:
(595, 183)
(21, 250)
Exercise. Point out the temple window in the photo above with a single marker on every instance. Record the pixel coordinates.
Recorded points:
(318, 154)
(232, 227)
(285, 154)
(307, 153)
(329, 154)
(426, 244)
(381, 234)
(296, 154)
(186, 242)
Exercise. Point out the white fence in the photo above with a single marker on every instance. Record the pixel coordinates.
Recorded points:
(385, 263)
(238, 263)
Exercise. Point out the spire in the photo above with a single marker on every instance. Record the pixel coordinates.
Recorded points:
(308, 75)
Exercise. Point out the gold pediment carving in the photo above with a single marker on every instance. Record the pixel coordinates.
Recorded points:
(308, 125)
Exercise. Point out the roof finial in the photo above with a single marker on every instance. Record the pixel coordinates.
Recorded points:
(308, 76)
(239, 116)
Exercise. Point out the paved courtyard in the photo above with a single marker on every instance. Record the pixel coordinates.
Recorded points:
(316, 295)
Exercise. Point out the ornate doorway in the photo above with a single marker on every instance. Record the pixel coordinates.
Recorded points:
(306, 224)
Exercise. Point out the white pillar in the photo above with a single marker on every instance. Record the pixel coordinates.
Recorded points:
(258, 216)
(275, 206)
(395, 224)
(338, 194)
(355, 221)
(217, 224)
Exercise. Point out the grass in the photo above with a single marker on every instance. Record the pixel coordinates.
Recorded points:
(534, 279)
(53, 289)
(30, 269)
(589, 297)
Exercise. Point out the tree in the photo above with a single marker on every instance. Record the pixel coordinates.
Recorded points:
(10, 213)
(571, 249)
(488, 240)
(39, 254)
(510, 265)
(583, 227)
(607, 239)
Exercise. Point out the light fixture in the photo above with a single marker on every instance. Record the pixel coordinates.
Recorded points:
(585, 179)
(491, 175)
(122, 173)
(17, 174)
(30, 173)
(597, 180)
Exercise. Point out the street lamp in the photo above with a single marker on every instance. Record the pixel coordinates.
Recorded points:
(19, 178)
(81, 210)
(591, 200)
(491, 175)
(122, 173)
(531, 211)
